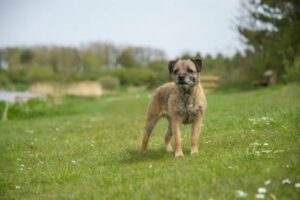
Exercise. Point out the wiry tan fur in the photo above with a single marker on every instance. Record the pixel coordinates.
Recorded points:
(180, 104)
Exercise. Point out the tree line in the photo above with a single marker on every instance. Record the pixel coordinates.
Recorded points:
(270, 29)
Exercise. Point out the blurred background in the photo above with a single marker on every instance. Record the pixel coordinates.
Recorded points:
(94, 45)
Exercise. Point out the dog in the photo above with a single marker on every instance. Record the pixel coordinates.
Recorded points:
(181, 102)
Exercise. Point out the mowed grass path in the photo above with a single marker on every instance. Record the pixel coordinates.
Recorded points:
(89, 149)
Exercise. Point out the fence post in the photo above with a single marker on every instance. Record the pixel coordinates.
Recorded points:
(4, 115)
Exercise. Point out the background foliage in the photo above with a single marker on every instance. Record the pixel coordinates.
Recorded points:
(270, 29)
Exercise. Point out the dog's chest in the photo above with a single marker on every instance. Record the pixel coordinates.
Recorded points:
(188, 112)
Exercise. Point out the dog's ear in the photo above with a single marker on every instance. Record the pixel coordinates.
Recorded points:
(198, 63)
(171, 65)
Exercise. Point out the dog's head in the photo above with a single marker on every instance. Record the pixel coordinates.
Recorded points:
(185, 72)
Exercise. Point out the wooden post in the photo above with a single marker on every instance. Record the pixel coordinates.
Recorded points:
(4, 115)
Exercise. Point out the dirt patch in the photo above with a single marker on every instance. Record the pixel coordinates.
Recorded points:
(83, 88)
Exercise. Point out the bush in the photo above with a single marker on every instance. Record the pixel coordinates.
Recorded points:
(39, 73)
(4, 80)
(31, 108)
(293, 72)
(134, 76)
(109, 82)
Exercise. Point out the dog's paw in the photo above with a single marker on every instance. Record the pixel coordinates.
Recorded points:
(179, 154)
(169, 148)
(194, 151)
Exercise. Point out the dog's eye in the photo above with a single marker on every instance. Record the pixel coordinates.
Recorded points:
(176, 71)
(190, 71)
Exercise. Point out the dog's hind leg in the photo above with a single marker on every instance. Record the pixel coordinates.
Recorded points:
(168, 137)
(150, 123)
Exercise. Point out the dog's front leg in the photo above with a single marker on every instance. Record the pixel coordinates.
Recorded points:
(177, 136)
(196, 129)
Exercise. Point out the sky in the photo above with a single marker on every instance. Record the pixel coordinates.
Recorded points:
(175, 26)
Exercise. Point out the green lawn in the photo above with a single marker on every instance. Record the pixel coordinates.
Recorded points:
(89, 149)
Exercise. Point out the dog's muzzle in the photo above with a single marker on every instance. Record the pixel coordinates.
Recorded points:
(181, 80)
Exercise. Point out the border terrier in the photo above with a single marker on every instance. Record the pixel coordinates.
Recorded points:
(181, 102)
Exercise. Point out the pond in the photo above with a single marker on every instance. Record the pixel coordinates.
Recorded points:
(17, 96)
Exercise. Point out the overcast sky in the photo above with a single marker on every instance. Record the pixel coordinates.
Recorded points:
(174, 26)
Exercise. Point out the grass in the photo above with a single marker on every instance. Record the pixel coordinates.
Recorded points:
(89, 149)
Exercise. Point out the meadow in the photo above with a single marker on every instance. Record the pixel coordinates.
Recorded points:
(88, 148)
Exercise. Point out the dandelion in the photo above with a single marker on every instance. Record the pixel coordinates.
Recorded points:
(268, 182)
(297, 185)
(262, 190)
(240, 194)
(260, 196)
(286, 181)
(18, 187)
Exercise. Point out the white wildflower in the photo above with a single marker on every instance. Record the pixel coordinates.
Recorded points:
(18, 187)
(150, 166)
(19, 159)
(268, 182)
(260, 196)
(286, 181)
(240, 194)
(255, 144)
(266, 151)
(22, 165)
(73, 161)
(297, 185)
(266, 144)
(262, 190)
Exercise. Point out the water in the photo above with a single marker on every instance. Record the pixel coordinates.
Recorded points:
(17, 96)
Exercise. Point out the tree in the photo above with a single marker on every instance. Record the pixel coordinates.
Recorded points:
(272, 31)
(126, 59)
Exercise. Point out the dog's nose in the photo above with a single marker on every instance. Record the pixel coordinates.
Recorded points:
(181, 78)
